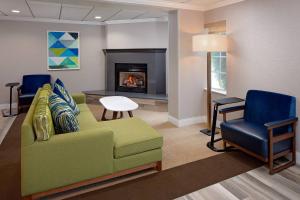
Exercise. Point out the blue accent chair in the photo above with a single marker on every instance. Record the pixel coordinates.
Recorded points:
(30, 85)
(267, 129)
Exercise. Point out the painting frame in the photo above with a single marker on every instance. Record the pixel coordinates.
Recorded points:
(63, 67)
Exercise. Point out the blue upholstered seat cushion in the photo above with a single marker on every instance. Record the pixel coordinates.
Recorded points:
(63, 116)
(251, 136)
(63, 93)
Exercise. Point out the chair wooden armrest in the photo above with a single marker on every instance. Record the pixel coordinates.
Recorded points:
(224, 111)
(280, 123)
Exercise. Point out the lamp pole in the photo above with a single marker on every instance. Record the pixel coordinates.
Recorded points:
(209, 90)
(207, 131)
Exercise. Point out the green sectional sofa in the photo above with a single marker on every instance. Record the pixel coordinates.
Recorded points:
(99, 151)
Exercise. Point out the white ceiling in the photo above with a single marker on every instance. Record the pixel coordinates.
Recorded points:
(109, 10)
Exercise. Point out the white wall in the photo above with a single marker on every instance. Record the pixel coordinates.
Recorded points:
(23, 50)
(173, 71)
(187, 70)
(137, 35)
(264, 47)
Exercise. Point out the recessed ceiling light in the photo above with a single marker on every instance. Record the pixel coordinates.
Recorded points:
(98, 17)
(15, 11)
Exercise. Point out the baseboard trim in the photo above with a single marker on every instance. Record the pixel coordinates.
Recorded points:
(187, 121)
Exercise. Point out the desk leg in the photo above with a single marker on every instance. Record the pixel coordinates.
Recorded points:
(213, 130)
(10, 101)
(103, 115)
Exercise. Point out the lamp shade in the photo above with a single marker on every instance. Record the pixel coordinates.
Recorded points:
(210, 43)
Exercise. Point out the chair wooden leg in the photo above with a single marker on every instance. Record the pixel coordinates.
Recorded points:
(270, 159)
(294, 144)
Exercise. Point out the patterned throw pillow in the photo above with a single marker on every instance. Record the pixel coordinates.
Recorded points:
(63, 93)
(42, 120)
(63, 116)
(59, 82)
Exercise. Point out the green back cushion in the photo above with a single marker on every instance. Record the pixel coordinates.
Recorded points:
(63, 116)
(63, 93)
(42, 120)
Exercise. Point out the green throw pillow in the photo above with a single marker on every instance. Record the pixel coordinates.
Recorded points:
(63, 93)
(63, 116)
(42, 120)
(47, 86)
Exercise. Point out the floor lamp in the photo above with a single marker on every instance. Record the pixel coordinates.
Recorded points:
(209, 43)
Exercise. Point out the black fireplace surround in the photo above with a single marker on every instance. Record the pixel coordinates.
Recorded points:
(136, 70)
(131, 77)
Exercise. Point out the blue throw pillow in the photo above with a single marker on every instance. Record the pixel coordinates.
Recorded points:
(63, 116)
(59, 82)
(63, 93)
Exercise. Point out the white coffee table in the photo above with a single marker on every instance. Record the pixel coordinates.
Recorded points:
(117, 104)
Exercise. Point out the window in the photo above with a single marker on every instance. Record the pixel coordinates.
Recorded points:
(218, 71)
(218, 59)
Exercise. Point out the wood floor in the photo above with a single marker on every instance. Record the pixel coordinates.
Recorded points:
(256, 184)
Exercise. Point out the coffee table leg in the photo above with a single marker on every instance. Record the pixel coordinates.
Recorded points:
(130, 113)
(103, 115)
(121, 115)
(115, 115)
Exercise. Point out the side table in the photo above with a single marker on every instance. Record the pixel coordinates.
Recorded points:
(11, 112)
(220, 102)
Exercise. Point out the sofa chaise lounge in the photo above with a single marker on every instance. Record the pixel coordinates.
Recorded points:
(99, 151)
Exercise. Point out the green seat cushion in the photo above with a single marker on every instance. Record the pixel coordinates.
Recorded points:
(42, 120)
(133, 136)
(63, 116)
(86, 120)
(83, 107)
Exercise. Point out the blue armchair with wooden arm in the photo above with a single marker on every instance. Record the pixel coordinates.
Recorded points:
(267, 129)
(30, 85)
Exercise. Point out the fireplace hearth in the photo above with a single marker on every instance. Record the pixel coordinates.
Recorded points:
(131, 77)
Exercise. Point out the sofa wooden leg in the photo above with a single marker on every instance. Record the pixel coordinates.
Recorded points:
(27, 197)
(158, 165)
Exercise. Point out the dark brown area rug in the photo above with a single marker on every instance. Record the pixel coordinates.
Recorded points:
(178, 181)
(168, 184)
(10, 162)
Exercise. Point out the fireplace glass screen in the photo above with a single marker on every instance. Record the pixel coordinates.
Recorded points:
(131, 77)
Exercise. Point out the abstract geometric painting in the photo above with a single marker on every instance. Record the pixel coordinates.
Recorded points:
(63, 50)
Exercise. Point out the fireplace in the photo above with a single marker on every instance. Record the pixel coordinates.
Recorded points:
(131, 77)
